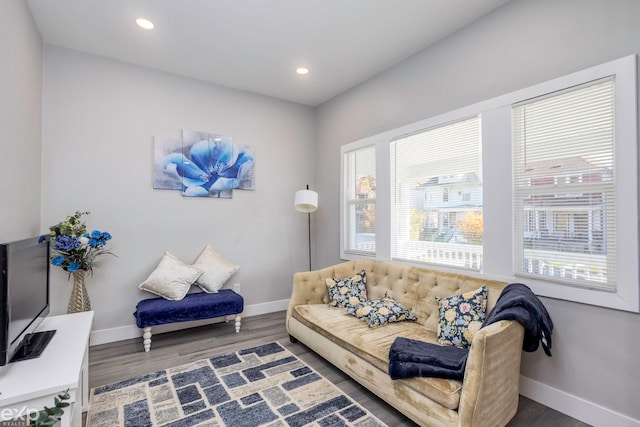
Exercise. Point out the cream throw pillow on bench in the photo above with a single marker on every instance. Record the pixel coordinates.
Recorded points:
(215, 270)
(171, 279)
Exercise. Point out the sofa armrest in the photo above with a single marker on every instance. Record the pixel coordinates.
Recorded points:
(308, 288)
(492, 376)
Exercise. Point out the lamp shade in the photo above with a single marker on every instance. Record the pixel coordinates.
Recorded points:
(306, 201)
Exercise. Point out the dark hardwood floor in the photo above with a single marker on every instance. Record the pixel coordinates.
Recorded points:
(117, 361)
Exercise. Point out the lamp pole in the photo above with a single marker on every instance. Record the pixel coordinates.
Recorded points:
(309, 227)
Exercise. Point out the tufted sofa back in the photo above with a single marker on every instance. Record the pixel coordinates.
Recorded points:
(415, 288)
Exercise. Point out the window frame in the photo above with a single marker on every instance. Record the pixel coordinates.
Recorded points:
(497, 157)
(626, 296)
(563, 215)
(345, 203)
(448, 254)
(349, 203)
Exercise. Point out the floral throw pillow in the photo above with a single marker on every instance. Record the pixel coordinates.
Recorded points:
(381, 311)
(347, 292)
(461, 316)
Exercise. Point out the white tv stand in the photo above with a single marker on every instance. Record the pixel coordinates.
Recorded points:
(31, 385)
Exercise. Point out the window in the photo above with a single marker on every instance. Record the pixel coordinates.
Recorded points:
(564, 171)
(538, 186)
(437, 202)
(360, 212)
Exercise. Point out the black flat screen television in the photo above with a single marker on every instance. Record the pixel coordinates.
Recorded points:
(24, 297)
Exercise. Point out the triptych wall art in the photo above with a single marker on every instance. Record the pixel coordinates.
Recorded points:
(202, 165)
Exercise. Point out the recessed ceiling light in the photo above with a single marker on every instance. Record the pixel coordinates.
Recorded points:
(145, 23)
(302, 70)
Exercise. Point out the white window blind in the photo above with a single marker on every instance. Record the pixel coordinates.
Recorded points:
(564, 188)
(437, 201)
(360, 209)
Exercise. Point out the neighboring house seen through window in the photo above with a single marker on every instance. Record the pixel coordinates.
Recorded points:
(360, 178)
(431, 170)
(564, 186)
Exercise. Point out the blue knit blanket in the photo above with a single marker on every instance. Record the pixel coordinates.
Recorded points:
(412, 358)
(517, 302)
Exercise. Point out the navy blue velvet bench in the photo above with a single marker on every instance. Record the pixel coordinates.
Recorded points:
(197, 306)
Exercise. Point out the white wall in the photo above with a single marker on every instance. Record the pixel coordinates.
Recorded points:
(523, 43)
(20, 122)
(99, 120)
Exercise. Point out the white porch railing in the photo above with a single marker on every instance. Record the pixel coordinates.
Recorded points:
(453, 254)
(592, 268)
(566, 265)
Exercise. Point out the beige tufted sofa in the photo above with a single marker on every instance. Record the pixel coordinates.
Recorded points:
(488, 395)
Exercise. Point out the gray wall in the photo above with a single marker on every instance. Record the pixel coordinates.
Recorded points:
(523, 43)
(20, 122)
(99, 120)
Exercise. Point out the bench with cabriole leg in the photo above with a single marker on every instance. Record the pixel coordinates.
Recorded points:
(197, 306)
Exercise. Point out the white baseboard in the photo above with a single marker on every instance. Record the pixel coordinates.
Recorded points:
(574, 406)
(104, 336)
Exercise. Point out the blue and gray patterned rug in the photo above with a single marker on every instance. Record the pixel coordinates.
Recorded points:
(260, 386)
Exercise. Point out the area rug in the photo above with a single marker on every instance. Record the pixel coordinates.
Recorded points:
(259, 386)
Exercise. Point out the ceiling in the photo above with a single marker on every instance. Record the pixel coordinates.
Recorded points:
(255, 45)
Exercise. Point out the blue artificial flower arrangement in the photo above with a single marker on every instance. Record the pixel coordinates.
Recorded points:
(73, 248)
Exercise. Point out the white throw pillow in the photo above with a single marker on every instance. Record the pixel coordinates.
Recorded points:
(215, 270)
(171, 279)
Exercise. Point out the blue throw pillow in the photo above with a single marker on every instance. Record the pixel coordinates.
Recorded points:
(347, 292)
(461, 316)
(381, 311)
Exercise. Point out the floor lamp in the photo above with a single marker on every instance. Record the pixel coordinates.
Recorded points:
(307, 201)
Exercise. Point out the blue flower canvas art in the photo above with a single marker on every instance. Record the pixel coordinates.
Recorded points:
(165, 174)
(203, 165)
